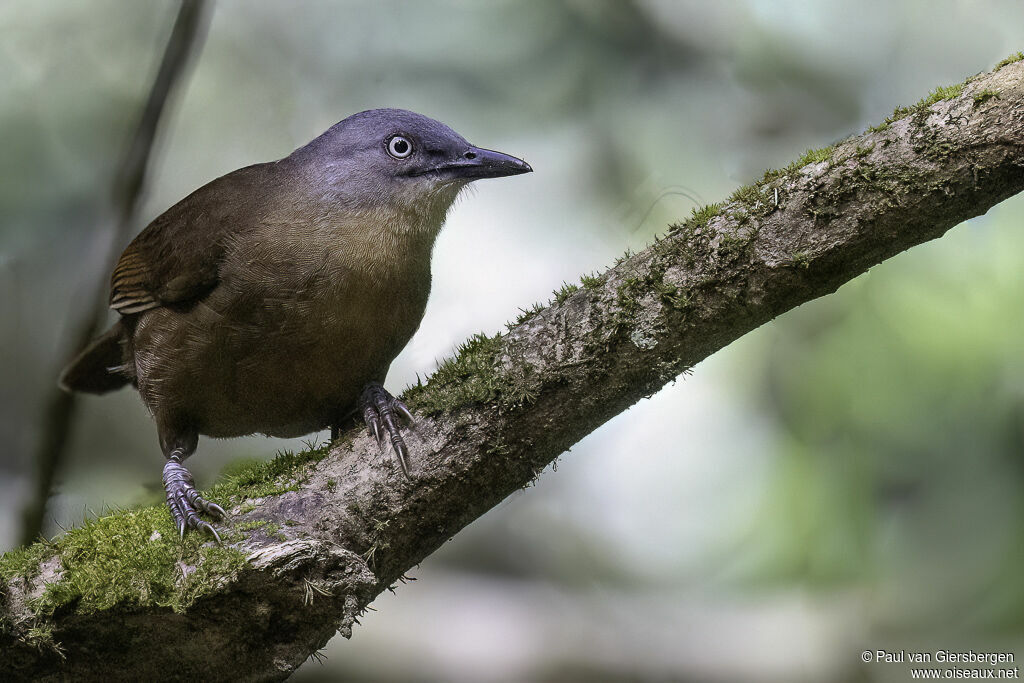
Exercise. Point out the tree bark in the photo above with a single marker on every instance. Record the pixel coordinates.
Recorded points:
(492, 419)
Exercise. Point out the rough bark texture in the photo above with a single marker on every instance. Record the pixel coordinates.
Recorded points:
(491, 420)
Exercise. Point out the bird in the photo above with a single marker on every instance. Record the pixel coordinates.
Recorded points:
(273, 299)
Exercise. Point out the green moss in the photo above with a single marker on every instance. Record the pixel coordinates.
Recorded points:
(690, 231)
(702, 215)
(941, 93)
(984, 96)
(689, 243)
(733, 246)
(801, 260)
(118, 560)
(634, 288)
(135, 557)
(377, 542)
(748, 194)
(758, 200)
(671, 295)
(498, 448)
(524, 315)
(1015, 57)
(24, 562)
(811, 156)
(814, 156)
(565, 291)
(260, 479)
(269, 528)
(41, 637)
(469, 377)
(753, 197)
(627, 297)
(592, 281)
(627, 300)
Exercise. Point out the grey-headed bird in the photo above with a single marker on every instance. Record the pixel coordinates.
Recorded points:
(273, 299)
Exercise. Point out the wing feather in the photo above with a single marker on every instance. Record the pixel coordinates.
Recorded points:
(177, 258)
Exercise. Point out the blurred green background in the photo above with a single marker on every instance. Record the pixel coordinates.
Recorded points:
(848, 477)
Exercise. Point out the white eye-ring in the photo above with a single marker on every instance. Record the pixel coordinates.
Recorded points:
(399, 147)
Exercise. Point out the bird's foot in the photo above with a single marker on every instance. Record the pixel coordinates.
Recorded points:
(185, 502)
(379, 411)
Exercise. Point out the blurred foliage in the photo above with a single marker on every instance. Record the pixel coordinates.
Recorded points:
(846, 476)
(901, 411)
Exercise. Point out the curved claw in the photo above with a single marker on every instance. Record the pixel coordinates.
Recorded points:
(403, 410)
(403, 455)
(185, 503)
(379, 409)
(216, 510)
(207, 527)
(372, 421)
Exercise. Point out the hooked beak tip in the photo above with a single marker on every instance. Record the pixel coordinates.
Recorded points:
(486, 163)
(480, 163)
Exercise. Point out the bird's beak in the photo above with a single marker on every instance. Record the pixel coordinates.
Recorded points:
(478, 163)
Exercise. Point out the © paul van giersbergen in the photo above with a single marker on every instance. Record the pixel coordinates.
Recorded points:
(274, 299)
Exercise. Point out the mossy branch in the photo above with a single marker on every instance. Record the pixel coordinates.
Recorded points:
(318, 535)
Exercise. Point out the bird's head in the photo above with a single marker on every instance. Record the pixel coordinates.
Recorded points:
(399, 158)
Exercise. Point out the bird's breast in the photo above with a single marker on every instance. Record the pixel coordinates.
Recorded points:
(286, 343)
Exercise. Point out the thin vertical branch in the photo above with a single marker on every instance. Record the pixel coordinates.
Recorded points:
(60, 408)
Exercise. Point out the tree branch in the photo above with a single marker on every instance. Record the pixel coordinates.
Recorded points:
(319, 535)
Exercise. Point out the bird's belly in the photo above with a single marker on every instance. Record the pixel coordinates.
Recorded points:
(290, 381)
(283, 366)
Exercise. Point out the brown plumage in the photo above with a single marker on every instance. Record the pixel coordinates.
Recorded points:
(273, 299)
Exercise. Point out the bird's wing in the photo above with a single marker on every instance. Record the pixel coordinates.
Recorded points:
(152, 272)
(177, 258)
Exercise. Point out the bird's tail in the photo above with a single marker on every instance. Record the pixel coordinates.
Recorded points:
(99, 368)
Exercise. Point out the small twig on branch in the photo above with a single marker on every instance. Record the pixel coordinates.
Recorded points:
(317, 536)
(60, 407)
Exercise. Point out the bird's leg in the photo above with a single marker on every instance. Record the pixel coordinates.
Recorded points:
(379, 409)
(183, 500)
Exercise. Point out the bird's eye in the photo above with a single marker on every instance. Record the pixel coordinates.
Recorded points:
(399, 147)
